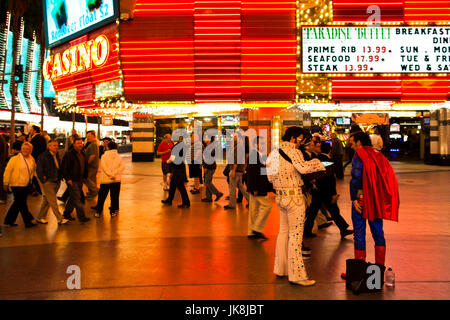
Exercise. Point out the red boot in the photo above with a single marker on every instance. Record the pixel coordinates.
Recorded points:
(380, 254)
(360, 254)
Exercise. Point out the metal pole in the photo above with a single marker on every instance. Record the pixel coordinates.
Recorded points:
(12, 134)
(73, 120)
(99, 121)
(41, 78)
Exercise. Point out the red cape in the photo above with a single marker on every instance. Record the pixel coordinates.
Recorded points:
(380, 187)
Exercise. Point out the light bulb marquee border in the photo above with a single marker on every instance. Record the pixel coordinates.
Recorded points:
(365, 74)
(311, 86)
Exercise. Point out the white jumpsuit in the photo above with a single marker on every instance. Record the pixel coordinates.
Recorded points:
(286, 177)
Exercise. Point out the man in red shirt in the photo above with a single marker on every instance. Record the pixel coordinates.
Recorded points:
(165, 150)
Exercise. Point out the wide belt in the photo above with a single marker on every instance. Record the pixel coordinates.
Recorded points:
(289, 192)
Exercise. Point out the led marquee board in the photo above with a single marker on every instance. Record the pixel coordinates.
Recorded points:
(370, 49)
(68, 19)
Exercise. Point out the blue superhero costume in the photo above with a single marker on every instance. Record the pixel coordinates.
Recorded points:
(359, 223)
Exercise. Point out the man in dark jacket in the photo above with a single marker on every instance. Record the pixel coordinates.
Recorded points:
(327, 196)
(337, 153)
(49, 174)
(74, 170)
(257, 187)
(178, 176)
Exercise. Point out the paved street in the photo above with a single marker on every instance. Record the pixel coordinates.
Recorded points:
(155, 252)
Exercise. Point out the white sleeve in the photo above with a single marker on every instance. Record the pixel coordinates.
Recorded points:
(303, 166)
(271, 165)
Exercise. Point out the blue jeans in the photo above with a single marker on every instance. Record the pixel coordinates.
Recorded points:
(359, 226)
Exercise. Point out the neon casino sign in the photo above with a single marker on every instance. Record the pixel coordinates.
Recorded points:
(78, 58)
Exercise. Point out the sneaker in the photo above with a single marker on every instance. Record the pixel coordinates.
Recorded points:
(306, 250)
(346, 233)
(206, 200)
(114, 214)
(184, 206)
(306, 256)
(220, 195)
(227, 207)
(259, 235)
(84, 219)
(195, 191)
(166, 202)
(10, 224)
(63, 221)
(41, 221)
(70, 218)
(97, 214)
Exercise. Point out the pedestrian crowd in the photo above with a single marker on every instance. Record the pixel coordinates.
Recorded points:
(35, 165)
(302, 174)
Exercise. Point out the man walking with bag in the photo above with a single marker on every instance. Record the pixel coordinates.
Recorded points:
(74, 169)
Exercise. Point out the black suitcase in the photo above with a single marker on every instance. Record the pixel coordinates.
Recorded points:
(357, 276)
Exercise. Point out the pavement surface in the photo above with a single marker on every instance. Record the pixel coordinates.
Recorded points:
(150, 251)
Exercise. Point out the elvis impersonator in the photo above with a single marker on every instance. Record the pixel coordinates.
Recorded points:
(284, 166)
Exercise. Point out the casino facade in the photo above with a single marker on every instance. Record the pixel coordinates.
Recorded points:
(261, 64)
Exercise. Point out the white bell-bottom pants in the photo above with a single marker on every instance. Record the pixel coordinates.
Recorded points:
(288, 254)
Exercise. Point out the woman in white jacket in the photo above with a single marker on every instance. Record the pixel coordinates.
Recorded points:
(112, 167)
(18, 176)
